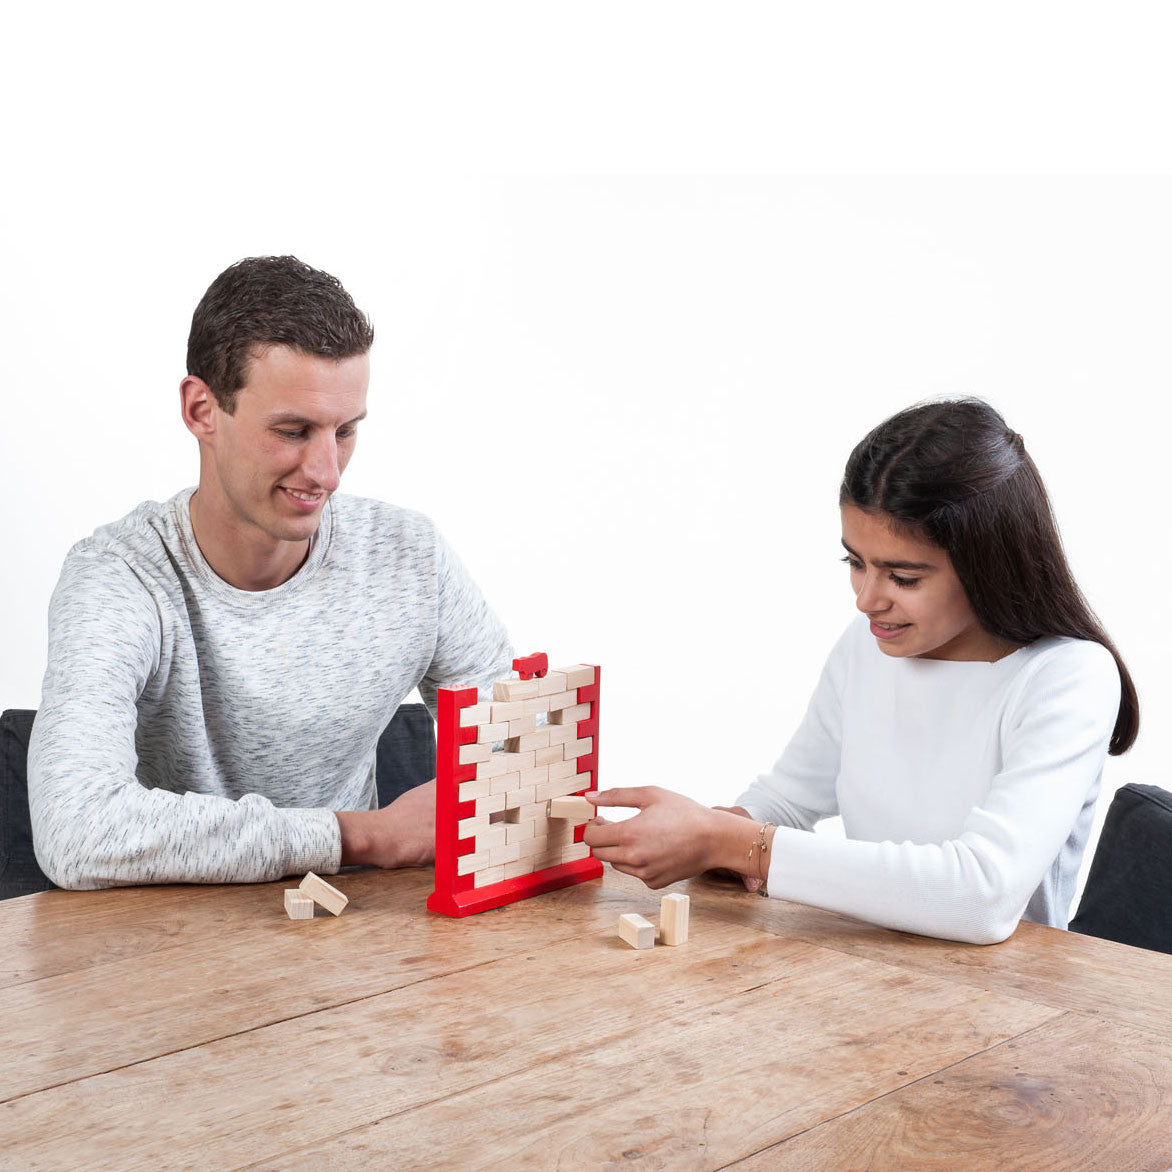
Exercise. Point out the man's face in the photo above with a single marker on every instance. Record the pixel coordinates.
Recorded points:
(280, 455)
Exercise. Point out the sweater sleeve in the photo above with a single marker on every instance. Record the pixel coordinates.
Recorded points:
(974, 888)
(472, 646)
(94, 824)
(800, 788)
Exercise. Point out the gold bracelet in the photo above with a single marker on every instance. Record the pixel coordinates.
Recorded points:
(762, 848)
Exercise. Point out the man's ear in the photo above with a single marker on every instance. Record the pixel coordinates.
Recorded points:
(199, 408)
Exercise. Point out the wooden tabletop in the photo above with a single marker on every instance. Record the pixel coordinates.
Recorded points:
(199, 1026)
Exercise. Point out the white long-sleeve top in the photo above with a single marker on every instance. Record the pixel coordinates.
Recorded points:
(966, 789)
(191, 732)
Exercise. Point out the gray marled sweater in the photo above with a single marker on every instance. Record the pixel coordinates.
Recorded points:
(193, 732)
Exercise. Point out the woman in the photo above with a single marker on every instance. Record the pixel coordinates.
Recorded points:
(959, 726)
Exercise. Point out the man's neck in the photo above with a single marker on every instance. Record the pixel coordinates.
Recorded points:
(249, 561)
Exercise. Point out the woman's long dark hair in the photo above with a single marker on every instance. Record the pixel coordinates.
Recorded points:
(956, 473)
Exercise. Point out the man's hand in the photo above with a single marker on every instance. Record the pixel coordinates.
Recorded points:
(671, 838)
(399, 835)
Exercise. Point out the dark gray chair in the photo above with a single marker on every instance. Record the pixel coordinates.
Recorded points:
(1128, 896)
(406, 758)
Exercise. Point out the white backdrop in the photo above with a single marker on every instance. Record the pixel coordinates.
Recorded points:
(626, 400)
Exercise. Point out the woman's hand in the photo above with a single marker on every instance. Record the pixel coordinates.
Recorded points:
(671, 838)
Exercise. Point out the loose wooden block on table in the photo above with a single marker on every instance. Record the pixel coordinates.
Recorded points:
(321, 892)
(575, 809)
(673, 918)
(298, 906)
(636, 931)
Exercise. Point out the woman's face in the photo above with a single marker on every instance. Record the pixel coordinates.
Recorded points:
(908, 589)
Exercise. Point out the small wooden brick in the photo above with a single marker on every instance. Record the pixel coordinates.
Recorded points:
(548, 756)
(519, 832)
(474, 714)
(538, 706)
(517, 869)
(537, 739)
(467, 827)
(506, 783)
(525, 795)
(559, 734)
(552, 683)
(507, 710)
(476, 861)
(562, 700)
(571, 715)
(489, 875)
(502, 763)
(581, 675)
(478, 787)
(522, 726)
(489, 734)
(560, 770)
(507, 852)
(576, 749)
(298, 906)
(564, 786)
(475, 753)
(636, 931)
(574, 852)
(536, 776)
(491, 804)
(508, 690)
(491, 839)
(575, 809)
(321, 892)
(673, 918)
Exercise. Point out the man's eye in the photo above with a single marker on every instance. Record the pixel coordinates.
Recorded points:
(293, 435)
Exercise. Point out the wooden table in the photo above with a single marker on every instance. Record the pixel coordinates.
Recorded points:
(187, 1026)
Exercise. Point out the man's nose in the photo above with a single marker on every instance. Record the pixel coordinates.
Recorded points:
(321, 463)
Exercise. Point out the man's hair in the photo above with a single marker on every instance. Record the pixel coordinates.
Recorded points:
(264, 301)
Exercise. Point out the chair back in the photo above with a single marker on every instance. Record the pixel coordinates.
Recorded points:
(1128, 896)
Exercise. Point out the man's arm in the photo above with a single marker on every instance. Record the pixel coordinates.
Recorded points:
(94, 823)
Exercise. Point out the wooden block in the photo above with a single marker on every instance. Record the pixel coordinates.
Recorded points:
(562, 786)
(519, 831)
(551, 683)
(532, 777)
(636, 931)
(506, 783)
(298, 906)
(491, 839)
(571, 715)
(574, 852)
(575, 809)
(530, 813)
(537, 739)
(489, 734)
(565, 769)
(489, 875)
(501, 763)
(581, 675)
(522, 725)
(525, 795)
(491, 804)
(474, 714)
(508, 690)
(478, 787)
(673, 918)
(561, 700)
(476, 861)
(506, 852)
(538, 706)
(548, 756)
(508, 710)
(321, 892)
(474, 754)
(468, 827)
(517, 869)
(559, 734)
(576, 749)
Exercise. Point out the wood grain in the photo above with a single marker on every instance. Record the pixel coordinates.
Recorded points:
(1037, 1094)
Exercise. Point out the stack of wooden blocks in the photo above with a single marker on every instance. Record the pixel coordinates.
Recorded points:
(519, 768)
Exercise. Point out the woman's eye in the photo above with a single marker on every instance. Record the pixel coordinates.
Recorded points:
(904, 582)
(854, 563)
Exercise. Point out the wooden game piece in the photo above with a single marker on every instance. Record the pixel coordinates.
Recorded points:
(501, 763)
(489, 875)
(476, 861)
(524, 795)
(636, 931)
(321, 892)
(559, 734)
(522, 726)
(548, 756)
(504, 784)
(673, 918)
(575, 809)
(575, 850)
(468, 827)
(581, 675)
(478, 787)
(570, 715)
(475, 753)
(492, 804)
(563, 769)
(508, 690)
(474, 714)
(577, 749)
(560, 700)
(552, 683)
(298, 906)
(489, 734)
(507, 710)
(537, 739)
(519, 832)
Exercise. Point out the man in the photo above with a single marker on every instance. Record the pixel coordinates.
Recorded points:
(221, 665)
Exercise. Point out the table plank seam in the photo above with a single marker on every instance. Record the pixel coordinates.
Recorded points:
(933, 1074)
